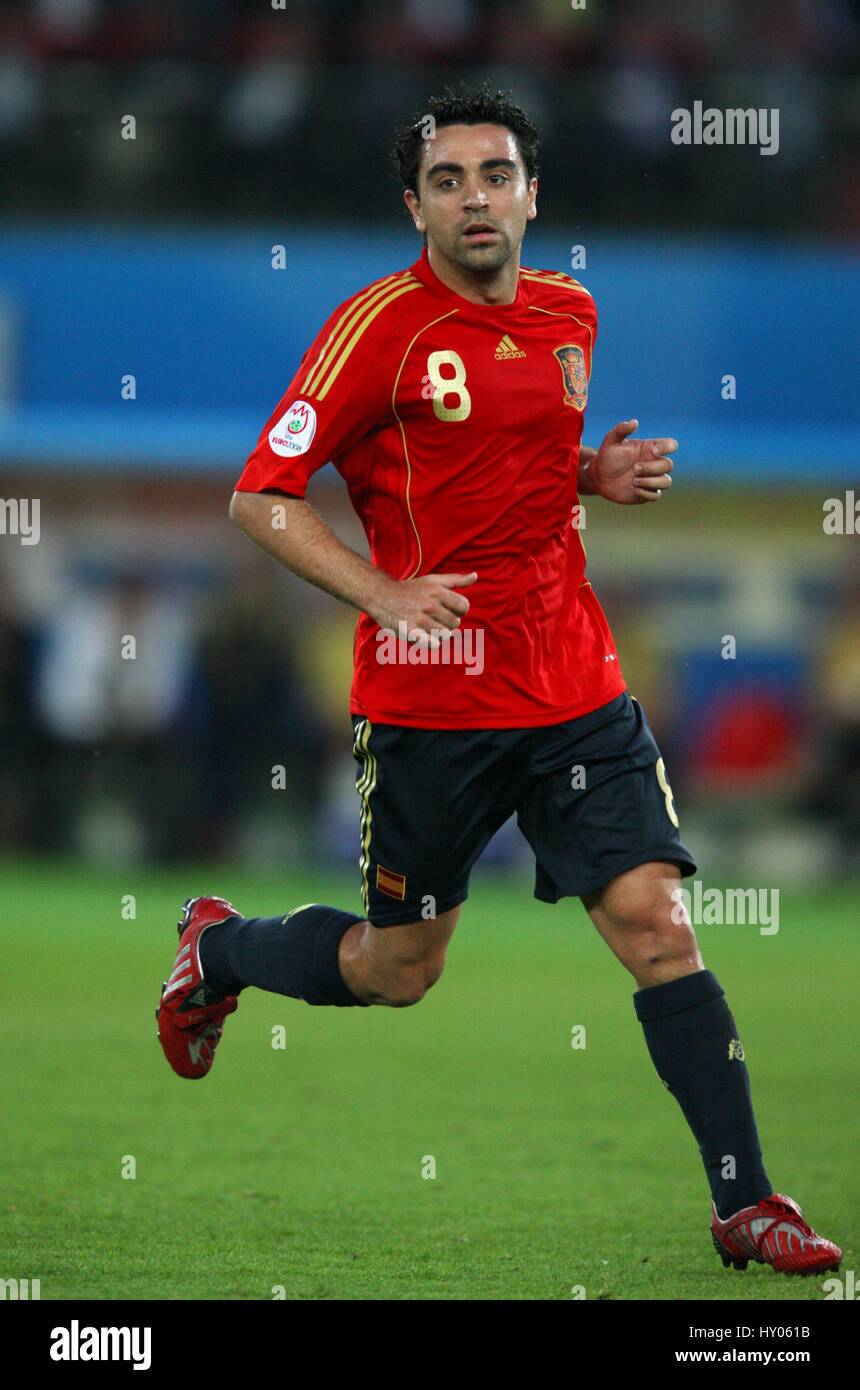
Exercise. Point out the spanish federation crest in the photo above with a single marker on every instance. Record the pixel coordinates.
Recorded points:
(571, 359)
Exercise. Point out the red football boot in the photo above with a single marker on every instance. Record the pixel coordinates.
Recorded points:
(191, 1013)
(773, 1233)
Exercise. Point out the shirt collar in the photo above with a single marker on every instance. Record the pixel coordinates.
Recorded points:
(423, 270)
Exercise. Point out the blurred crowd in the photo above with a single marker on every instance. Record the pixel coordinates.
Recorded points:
(151, 714)
(222, 727)
(685, 36)
(242, 106)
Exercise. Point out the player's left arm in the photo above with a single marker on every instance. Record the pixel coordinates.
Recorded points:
(626, 470)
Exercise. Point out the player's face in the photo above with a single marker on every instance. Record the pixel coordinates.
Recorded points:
(474, 198)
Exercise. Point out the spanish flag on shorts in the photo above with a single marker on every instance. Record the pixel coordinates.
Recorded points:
(392, 884)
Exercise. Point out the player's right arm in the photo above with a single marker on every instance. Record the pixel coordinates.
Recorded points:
(339, 395)
(289, 529)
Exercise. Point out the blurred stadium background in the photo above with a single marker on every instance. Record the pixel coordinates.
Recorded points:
(147, 334)
(148, 325)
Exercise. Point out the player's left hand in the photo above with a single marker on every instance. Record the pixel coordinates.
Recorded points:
(631, 470)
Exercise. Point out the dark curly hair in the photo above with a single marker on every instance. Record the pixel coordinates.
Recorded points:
(461, 106)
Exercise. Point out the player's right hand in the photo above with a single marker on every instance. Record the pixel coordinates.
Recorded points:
(429, 606)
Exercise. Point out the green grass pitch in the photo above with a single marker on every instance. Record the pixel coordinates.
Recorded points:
(301, 1167)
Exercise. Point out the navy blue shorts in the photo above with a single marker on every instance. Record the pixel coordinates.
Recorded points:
(591, 796)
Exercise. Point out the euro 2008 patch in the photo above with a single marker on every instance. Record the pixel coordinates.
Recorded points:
(294, 432)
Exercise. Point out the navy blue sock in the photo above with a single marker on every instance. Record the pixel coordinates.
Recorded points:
(295, 955)
(695, 1047)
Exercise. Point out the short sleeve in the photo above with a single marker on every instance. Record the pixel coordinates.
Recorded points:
(340, 393)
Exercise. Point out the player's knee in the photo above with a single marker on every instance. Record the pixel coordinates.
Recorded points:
(669, 942)
(407, 984)
(655, 935)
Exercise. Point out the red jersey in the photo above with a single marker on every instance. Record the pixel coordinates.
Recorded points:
(456, 427)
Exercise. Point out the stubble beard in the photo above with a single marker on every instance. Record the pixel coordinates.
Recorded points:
(487, 259)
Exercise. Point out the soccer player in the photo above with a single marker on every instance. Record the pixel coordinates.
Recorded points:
(450, 397)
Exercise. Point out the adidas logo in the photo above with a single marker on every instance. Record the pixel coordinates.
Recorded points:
(507, 349)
